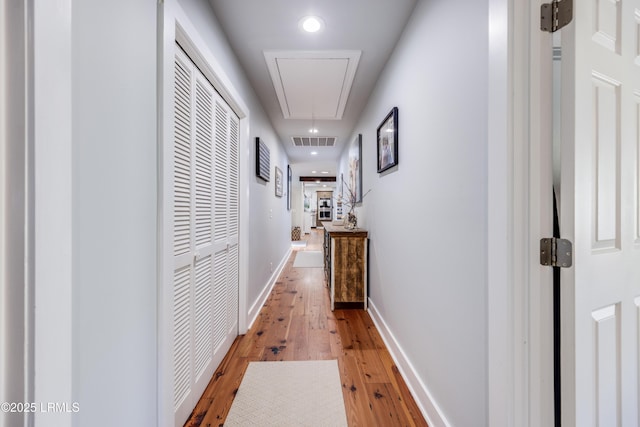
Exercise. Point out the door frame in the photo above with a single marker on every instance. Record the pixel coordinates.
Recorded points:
(17, 209)
(49, 108)
(174, 26)
(520, 345)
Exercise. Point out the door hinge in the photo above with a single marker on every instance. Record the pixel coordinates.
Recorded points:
(555, 15)
(556, 252)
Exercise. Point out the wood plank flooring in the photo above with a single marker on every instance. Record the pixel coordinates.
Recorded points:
(296, 323)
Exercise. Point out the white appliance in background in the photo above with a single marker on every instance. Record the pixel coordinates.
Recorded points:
(309, 221)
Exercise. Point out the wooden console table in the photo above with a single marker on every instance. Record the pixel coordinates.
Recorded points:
(345, 263)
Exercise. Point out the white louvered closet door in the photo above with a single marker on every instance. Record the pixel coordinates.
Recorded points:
(205, 297)
(226, 221)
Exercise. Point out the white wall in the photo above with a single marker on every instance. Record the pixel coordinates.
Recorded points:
(427, 219)
(96, 222)
(114, 212)
(270, 221)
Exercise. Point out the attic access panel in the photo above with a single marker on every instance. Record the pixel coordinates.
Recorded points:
(312, 84)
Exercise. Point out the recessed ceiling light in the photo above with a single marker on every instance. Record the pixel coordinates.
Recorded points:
(313, 130)
(324, 172)
(311, 24)
(314, 171)
(314, 153)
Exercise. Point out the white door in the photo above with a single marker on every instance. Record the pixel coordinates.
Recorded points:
(205, 233)
(226, 226)
(600, 213)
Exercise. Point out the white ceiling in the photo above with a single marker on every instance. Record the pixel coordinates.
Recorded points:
(303, 79)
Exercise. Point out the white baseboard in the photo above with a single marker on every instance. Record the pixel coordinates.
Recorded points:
(428, 406)
(252, 315)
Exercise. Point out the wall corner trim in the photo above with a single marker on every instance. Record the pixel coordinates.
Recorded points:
(252, 315)
(428, 406)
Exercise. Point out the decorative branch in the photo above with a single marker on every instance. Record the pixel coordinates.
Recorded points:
(351, 198)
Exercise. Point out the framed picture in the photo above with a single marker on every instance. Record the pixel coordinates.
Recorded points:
(289, 176)
(388, 141)
(263, 161)
(278, 182)
(354, 183)
(340, 198)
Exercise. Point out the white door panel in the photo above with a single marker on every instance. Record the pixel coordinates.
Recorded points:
(600, 213)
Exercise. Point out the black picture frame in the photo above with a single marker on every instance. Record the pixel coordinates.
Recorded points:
(289, 178)
(263, 160)
(387, 141)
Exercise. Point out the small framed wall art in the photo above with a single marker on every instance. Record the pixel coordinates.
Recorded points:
(289, 178)
(278, 182)
(354, 183)
(388, 141)
(263, 161)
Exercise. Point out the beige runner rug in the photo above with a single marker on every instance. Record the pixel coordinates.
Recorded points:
(304, 393)
(309, 259)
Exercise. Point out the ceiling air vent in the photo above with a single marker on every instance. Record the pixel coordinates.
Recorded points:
(314, 141)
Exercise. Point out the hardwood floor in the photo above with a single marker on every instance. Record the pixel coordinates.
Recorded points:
(296, 323)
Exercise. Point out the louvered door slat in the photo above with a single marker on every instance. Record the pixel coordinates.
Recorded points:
(219, 298)
(203, 314)
(204, 137)
(182, 160)
(232, 287)
(221, 183)
(233, 223)
(234, 176)
(182, 334)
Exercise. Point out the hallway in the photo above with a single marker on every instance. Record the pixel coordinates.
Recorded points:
(296, 323)
(109, 252)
